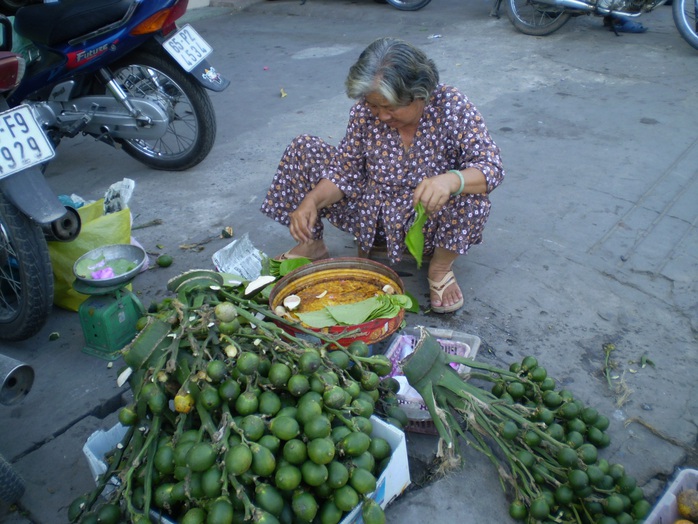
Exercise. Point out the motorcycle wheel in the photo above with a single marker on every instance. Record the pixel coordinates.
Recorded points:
(192, 128)
(408, 5)
(684, 12)
(26, 279)
(534, 18)
(11, 484)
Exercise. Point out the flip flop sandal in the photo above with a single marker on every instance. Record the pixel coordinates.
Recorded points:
(439, 288)
(290, 256)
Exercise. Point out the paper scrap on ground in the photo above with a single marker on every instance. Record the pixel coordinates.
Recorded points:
(239, 257)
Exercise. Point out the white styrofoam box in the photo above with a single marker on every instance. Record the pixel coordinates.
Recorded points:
(394, 479)
(666, 510)
(97, 446)
(456, 343)
(396, 476)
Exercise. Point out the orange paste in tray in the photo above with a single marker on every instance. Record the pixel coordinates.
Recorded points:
(335, 292)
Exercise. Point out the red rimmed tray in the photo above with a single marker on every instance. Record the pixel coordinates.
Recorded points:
(337, 270)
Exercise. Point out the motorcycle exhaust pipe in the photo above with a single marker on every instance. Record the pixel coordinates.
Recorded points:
(65, 228)
(569, 4)
(16, 379)
(578, 5)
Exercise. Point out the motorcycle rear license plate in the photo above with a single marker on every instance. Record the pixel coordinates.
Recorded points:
(187, 47)
(22, 141)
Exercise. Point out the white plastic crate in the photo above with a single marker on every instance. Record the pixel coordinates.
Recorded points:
(97, 446)
(394, 479)
(396, 476)
(666, 510)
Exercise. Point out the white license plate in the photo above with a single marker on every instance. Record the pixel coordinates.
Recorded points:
(187, 47)
(22, 141)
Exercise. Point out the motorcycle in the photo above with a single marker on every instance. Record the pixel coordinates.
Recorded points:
(30, 213)
(543, 17)
(10, 7)
(685, 18)
(122, 72)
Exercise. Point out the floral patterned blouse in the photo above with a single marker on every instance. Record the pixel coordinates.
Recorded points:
(372, 168)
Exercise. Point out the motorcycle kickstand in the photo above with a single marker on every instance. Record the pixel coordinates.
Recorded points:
(495, 8)
(107, 138)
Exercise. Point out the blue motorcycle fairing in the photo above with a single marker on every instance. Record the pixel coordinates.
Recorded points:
(59, 22)
(64, 60)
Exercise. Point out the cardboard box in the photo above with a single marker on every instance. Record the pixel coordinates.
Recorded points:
(666, 510)
(390, 484)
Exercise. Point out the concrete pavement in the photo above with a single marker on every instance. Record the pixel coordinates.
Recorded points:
(592, 238)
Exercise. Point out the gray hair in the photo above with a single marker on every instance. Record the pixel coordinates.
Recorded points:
(394, 69)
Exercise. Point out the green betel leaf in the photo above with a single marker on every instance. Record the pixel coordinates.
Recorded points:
(381, 306)
(356, 313)
(317, 319)
(404, 301)
(121, 265)
(392, 304)
(271, 267)
(414, 305)
(414, 240)
(290, 264)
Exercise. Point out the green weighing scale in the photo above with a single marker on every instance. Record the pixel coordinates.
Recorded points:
(109, 315)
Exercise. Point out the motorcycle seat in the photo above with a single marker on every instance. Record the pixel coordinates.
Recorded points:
(60, 22)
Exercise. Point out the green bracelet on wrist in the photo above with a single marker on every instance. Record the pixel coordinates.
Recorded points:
(462, 181)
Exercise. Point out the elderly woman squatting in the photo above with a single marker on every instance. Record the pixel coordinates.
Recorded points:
(409, 139)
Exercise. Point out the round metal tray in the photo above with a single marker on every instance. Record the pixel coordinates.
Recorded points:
(343, 268)
(129, 252)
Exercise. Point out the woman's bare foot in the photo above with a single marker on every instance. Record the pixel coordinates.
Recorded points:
(314, 250)
(444, 292)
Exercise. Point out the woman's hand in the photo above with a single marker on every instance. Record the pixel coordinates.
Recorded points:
(302, 221)
(304, 218)
(434, 192)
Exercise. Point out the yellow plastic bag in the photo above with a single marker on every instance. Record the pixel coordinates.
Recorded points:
(97, 230)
